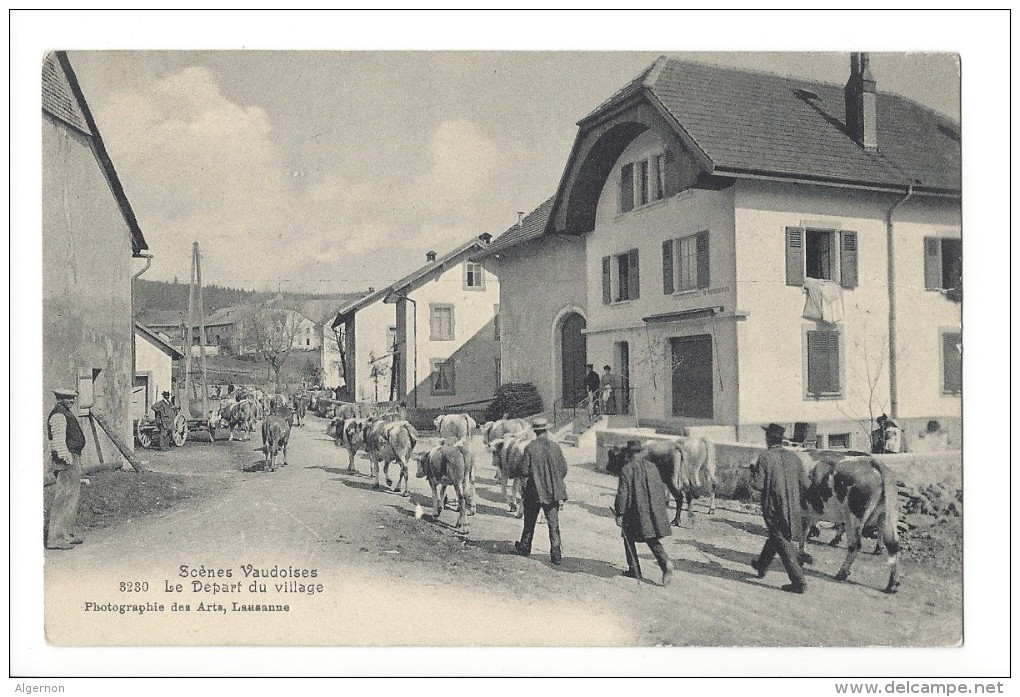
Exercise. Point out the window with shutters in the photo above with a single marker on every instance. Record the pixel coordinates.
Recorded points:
(441, 322)
(823, 364)
(474, 276)
(822, 254)
(685, 263)
(952, 362)
(643, 182)
(443, 381)
(943, 263)
(620, 277)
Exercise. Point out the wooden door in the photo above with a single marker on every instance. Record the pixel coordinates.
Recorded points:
(574, 357)
(692, 376)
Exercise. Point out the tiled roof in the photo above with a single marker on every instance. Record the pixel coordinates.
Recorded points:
(158, 341)
(229, 315)
(528, 229)
(761, 124)
(57, 99)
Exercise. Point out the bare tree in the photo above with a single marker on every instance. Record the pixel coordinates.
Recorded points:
(867, 365)
(340, 333)
(271, 334)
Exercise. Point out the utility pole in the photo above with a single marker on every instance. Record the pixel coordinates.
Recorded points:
(186, 405)
(201, 333)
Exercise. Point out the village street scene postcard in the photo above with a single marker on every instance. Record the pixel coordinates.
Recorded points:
(649, 348)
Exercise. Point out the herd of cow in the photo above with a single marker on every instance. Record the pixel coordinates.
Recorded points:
(853, 491)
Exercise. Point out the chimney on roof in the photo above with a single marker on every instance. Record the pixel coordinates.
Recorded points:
(430, 256)
(861, 104)
(520, 217)
(485, 238)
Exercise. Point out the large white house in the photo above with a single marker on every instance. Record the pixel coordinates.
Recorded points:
(429, 339)
(760, 248)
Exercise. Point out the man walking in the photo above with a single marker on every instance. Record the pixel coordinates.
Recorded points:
(642, 512)
(164, 411)
(545, 470)
(67, 441)
(779, 474)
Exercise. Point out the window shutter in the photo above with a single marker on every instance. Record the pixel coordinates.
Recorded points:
(848, 259)
(702, 251)
(627, 188)
(633, 276)
(932, 263)
(607, 281)
(794, 256)
(667, 267)
(833, 351)
(451, 381)
(952, 363)
(823, 362)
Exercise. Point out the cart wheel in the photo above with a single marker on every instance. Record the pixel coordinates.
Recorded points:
(180, 432)
(144, 439)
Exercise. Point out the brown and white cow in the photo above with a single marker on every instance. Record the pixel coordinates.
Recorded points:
(494, 430)
(508, 460)
(386, 442)
(686, 466)
(455, 427)
(238, 416)
(350, 434)
(275, 437)
(854, 493)
(450, 465)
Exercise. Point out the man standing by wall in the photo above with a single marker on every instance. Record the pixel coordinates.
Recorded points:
(591, 386)
(544, 489)
(779, 474)
(164, 411)
(67, 441)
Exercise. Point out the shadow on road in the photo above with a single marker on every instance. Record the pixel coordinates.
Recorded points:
(601, 511)
(753, 528)
(741, 559)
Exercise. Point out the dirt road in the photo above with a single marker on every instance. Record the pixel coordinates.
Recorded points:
(383, 577)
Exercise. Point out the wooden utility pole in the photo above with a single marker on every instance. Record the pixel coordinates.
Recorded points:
(186, 402)
(201, 333)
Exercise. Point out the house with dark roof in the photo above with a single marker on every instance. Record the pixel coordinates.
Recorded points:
(428, 339)
(542, 307)
(764, 249)
(91, 239)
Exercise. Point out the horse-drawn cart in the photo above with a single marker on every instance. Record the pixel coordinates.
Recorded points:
(146, 430)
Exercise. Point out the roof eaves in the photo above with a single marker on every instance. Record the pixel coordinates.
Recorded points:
(797, 177)
(436, 267)
(699, 153)
(158, 341)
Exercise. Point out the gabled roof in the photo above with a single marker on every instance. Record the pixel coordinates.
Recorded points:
(323, 310)
(740, 123)
(63, 99)
(414, 279)
(158, 341)
(530, 228)
(229, 315)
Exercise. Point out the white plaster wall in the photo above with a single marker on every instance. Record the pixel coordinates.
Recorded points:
(151, 360)
(371, 324)
(539, 281)
(475, 369)
(770, 340)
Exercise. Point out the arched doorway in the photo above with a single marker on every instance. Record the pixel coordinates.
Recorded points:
(573, 358)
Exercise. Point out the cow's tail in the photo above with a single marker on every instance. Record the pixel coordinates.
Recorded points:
(412, 434)
(890, 528)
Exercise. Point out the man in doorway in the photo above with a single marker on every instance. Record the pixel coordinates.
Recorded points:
(591, 386)
(164, 411)
(545, 470)
(67, 441)
(778, 473)
(608, 386)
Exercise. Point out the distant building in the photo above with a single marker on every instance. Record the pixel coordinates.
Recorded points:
(429, 339)
(90, 240)
(760, 248)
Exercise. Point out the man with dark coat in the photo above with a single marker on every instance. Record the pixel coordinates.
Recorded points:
(544, 489)
(780, 476)
(164, 411)
(642, 511)
(67, 441)
(591, 386)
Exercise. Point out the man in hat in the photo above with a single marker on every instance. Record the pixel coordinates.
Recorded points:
(591, 386)
(544, 489)
(164, 411)
(642, 511)
(780, 476)
(67, 441)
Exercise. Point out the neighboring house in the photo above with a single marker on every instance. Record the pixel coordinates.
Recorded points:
(760, 248)
(154, 359)
(542, 308)
(428, 339)
(323, 311)
(90, 238)
(169, 324)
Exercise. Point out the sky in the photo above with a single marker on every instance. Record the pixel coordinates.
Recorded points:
(335, 171)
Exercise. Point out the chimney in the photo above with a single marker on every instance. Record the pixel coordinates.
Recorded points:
(430, 256)
(520, 217)
(861, 109)
(485, 238)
